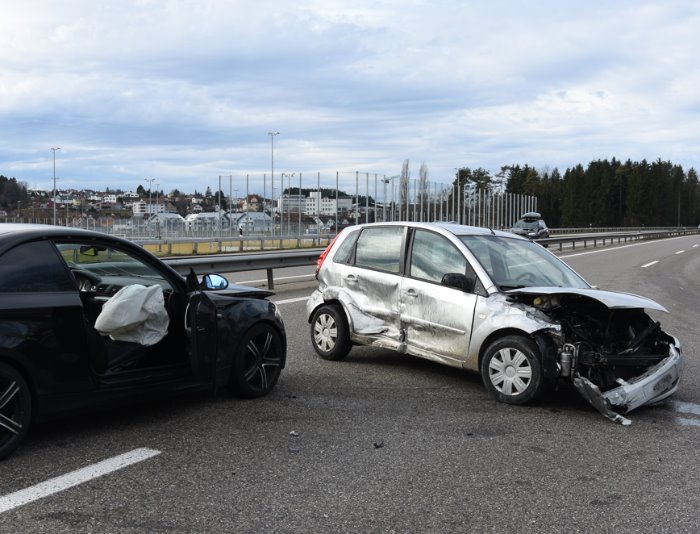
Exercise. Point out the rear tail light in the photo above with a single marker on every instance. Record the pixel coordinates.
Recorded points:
(323, 255)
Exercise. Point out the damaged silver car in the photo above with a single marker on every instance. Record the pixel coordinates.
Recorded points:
(495, 303)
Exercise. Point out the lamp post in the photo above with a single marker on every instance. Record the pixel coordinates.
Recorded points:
(54, 149)
(289, 192)
(157, 191)
(272, 177)
(150, 186)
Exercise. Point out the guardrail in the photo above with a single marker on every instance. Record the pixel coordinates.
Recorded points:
(228, 263)
(620, 237)
(269, 261)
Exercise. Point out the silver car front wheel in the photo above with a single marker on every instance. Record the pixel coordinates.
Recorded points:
(511, 370)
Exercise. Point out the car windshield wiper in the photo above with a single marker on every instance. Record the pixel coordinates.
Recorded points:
(506, 288)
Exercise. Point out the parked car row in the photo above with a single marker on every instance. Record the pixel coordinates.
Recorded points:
(89, 320)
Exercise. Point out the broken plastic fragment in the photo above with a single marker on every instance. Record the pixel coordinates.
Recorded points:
(592, 394)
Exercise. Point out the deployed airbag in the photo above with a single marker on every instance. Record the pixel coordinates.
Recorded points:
(135, 313)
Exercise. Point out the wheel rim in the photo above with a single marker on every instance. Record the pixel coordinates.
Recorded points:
(263, 360)
(510, 371)
(11, 410)
(325, 332)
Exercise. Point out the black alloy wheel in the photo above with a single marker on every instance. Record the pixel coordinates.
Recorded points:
(257, 367)
(15, 409)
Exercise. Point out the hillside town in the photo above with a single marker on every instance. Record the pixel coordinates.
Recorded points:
(315, 211)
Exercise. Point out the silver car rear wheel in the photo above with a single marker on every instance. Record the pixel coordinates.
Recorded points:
(329, 333)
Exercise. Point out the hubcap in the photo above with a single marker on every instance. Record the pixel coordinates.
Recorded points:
(325, 332)
(510, 371)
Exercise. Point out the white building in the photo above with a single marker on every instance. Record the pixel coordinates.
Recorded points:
(316, 205)
(253, 222)
(207, 220)
(291, 203)
(141, 209)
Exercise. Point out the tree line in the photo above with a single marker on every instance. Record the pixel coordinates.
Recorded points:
(606, 193)
(11, 192)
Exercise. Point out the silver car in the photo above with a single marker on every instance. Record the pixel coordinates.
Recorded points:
(495, 303)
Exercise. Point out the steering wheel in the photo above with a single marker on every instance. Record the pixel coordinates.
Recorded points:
(87, 281)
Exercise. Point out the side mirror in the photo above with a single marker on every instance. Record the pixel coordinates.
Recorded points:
(458, 281)
(214, 281)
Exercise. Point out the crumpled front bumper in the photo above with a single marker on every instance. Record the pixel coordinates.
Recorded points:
(658, 383)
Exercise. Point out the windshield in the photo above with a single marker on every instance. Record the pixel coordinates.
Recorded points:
(514, 263)
(526, 225)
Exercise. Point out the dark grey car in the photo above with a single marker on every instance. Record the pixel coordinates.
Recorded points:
(531, 225)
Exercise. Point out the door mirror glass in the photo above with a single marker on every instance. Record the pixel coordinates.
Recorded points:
(214, 281)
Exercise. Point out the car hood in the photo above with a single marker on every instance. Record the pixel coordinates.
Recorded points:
(611, 299)
(234, 290)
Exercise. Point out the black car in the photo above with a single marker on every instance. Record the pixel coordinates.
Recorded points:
(71, 338)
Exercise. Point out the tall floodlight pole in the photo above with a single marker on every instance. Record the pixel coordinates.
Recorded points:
(272, 175)
(54, 149)
(150, 186)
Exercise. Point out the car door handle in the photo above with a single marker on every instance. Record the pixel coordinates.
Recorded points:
(411, 293)
(351, 279)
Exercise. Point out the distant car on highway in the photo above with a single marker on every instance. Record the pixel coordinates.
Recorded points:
(89, 320)
(531, 225)
(495, 303)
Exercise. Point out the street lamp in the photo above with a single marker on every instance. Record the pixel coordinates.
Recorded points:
(54, 149)
(272, 177)
(289, 192)
(150, 186)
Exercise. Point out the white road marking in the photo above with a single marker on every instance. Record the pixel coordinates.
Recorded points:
(687, 422)
(63, 482)
(616, 248)
(650, 264)
(695, 245)
(680, 252)
(686, 407)
(289, 301)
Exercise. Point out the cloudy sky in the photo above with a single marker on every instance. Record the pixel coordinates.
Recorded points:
(183, 91)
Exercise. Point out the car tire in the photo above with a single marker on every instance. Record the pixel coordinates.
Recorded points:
(512, 371)
(258, 364)
(330, 335)
(15, 409)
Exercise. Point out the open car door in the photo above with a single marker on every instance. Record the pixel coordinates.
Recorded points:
(201, 328)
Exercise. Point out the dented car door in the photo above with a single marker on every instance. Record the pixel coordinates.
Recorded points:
(436, 319)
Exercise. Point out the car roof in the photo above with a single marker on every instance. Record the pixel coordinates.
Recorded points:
(446, 228)
(531, 215)
(14, 233)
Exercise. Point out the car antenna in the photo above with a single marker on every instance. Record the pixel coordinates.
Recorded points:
(491, 230)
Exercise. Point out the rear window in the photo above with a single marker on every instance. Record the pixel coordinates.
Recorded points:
(344, 254)
(380, 248)
(34, 267)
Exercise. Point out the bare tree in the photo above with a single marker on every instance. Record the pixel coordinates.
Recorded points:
(423, 189)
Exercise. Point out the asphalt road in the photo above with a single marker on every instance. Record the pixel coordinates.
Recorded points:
(386, 443)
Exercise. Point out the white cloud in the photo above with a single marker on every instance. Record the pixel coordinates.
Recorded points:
(187, 90)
